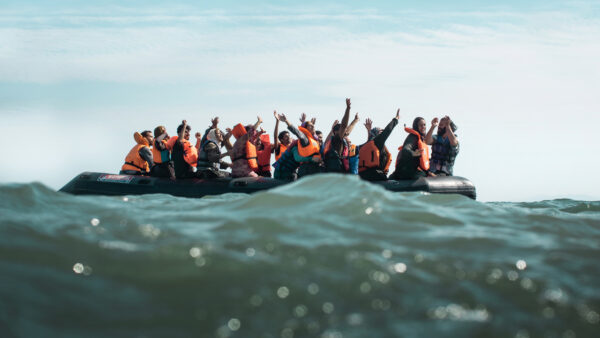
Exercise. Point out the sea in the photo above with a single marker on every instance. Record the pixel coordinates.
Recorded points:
(327, 256)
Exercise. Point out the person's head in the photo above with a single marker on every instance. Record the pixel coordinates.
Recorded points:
(284, 138)
(310, 127)
(147, 134)
(319, 136)
(444, 123)
(159, 131)
(215, 135)
(186, 133)
(419, 125)
(374, 132)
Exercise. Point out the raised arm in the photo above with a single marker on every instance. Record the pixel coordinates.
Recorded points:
(276, 133)
(301, 137)
(182, 132)
(450, 134)
(352, 124)
(429, 136)
(342, 130)
(383, 136)
(198, 140)
(258, 122)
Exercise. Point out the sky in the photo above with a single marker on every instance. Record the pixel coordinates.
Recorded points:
(521, 81)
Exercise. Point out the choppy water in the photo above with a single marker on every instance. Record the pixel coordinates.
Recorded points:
(327, 256)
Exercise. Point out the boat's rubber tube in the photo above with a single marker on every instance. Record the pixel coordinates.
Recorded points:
(91, 183)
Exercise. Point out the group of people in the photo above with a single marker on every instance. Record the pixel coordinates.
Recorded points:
(159, 155)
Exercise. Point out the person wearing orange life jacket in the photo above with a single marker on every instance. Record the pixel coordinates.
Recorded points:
(183, 154)
(263, 153)
(243, 154)
(139, 159)
(413, 156)
(336, 152)
(163, 166)
(282, 139)
(308, 147)
(374, 157)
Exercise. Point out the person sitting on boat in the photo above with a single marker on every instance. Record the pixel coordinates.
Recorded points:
(243, 153)
(335, 155)
(413, 157)
(163, 166)
(374, 157)
(444, 146)
(210, 158)
(139, 159)
(183, 154)
(264, 149)
(308, 147)
(282, 139)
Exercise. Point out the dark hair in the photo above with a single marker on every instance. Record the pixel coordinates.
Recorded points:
(336, 127)
(180, 128)
(415, 125)
(453, 126)
(159, 131)
(146, 133)
(318, 132)
(282, 134)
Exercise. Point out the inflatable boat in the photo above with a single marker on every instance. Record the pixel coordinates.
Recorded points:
(92, 183)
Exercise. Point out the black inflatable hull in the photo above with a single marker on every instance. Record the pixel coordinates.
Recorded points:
(91, 183)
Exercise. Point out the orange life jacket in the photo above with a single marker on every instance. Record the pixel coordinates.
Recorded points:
(264, 156)
(352, 151)
(251, 156)
(282, 150)
(424, 161)
(312, 149)
(369, 157)
(190, 152)
(238, 131)
(133, 160)
(160, 156)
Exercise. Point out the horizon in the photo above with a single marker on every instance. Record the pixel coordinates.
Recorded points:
(519, 80)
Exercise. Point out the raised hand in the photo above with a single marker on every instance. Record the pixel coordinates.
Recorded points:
(398, 114)
(215, 122)
(313, 120)
(282, 118)
(198, 135)
(347, 102)
(228, 130)
(275, 114)
(335, 123)
(368, 124)
(435, 122)
(356, 117)
(184, 122)
(259, 120)
(302, 118)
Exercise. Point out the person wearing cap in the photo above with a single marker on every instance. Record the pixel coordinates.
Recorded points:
(374, 157)
(444, 146)
(163, 166)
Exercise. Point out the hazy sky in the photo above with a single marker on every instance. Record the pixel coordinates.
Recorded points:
(522, 81)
